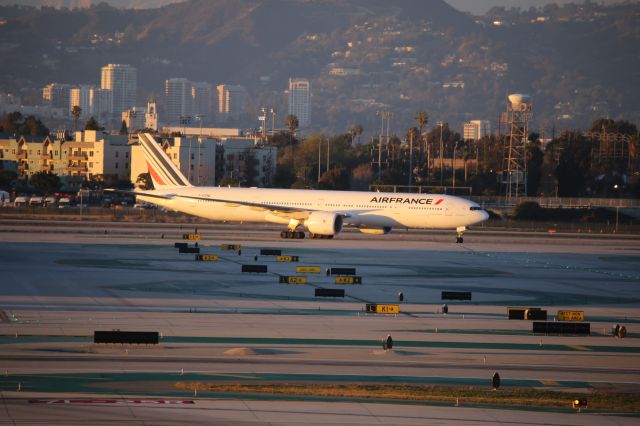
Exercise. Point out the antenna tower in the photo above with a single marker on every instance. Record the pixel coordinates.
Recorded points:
(516, 118)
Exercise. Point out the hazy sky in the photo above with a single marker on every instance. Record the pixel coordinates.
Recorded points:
(479, 7)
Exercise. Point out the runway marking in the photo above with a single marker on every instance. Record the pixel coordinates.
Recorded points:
(549, 383)
(111, 401)
(580, 348)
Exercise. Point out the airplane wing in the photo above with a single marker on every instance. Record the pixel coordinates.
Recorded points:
(283, 211)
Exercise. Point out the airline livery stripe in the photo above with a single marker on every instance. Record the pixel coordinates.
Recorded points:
(160, 170)
(154, 175)
(160, 157)
(161, 160)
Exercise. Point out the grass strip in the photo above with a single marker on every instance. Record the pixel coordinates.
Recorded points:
(598, 400)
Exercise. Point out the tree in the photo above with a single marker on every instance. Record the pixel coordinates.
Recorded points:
(355, 132)
(7, 177)
(14, 122)
(76, 112)
(144, 181)
(337, 179)
(92, 124)
(45, 182)
(422, 118)
(123, 128)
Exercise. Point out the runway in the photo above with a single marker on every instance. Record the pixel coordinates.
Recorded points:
(61, 281)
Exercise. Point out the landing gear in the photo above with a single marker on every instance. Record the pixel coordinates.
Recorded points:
(297, 235)
(460, 230)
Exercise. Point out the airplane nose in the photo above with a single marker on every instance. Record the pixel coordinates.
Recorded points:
(483, 215)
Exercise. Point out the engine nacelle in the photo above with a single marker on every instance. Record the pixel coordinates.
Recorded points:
(324, 223)
(376, 231)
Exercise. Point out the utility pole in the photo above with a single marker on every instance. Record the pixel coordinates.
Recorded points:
(384, 115)
(441, 124)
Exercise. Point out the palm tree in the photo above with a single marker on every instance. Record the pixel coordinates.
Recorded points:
(292, 124)
(422, 117)
(76, 112)
(356, 131)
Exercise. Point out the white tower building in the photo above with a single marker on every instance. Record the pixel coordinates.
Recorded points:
(299, 98)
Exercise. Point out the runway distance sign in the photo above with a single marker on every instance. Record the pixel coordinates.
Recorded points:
(113, 401)
(375, 308)
(354, 279)
(287, 258)
(570, 315)
(193, 237)
(207, 257)
(292, 279)
(307, 269)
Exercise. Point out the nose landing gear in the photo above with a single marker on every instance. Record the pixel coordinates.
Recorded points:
(460, 230)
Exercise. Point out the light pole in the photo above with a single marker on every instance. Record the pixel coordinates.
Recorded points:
(273, 121)
(410, 158)
(441, 124)
(319, 158)
(328, 152)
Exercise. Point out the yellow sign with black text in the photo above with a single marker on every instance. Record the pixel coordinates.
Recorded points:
(287, 258)
(293, 279)
(207, 257)
(353, 279)
(192, 237)
(570, 315)
(308, 269)
(382, 309)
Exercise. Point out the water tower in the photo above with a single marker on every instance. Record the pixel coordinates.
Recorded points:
(516, 119)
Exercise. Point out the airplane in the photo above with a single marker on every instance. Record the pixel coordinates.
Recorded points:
(322, 213)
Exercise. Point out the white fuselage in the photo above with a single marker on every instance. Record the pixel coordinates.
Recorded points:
(361, 209)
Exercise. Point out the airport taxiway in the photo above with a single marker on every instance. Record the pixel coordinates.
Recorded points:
(62, 281)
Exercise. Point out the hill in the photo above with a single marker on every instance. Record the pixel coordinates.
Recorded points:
(361, 56)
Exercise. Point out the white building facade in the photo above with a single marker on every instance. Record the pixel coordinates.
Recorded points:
(122, 80)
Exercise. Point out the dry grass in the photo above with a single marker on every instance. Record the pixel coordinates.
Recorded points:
(601, 401)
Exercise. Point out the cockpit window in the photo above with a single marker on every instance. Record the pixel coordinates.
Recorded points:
(475, 208)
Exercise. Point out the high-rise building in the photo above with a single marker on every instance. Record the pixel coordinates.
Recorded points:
(92, 100)
(231, 102)
(299, 94)
(101, 101)
(201, 99)
(56, 95)
(121, 79)
(80, 96)
(177, 93)
(476, 129)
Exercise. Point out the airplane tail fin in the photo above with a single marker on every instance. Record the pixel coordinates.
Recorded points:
(163, 172)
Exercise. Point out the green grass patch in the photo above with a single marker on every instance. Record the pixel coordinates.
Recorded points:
(516, 397)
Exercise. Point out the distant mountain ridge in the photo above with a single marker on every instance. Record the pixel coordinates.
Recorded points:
(360, 55)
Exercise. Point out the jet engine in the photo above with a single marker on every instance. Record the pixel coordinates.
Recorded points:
(324, 223)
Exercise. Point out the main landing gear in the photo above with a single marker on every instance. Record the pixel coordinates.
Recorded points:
(460, 230)
(298, 235)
